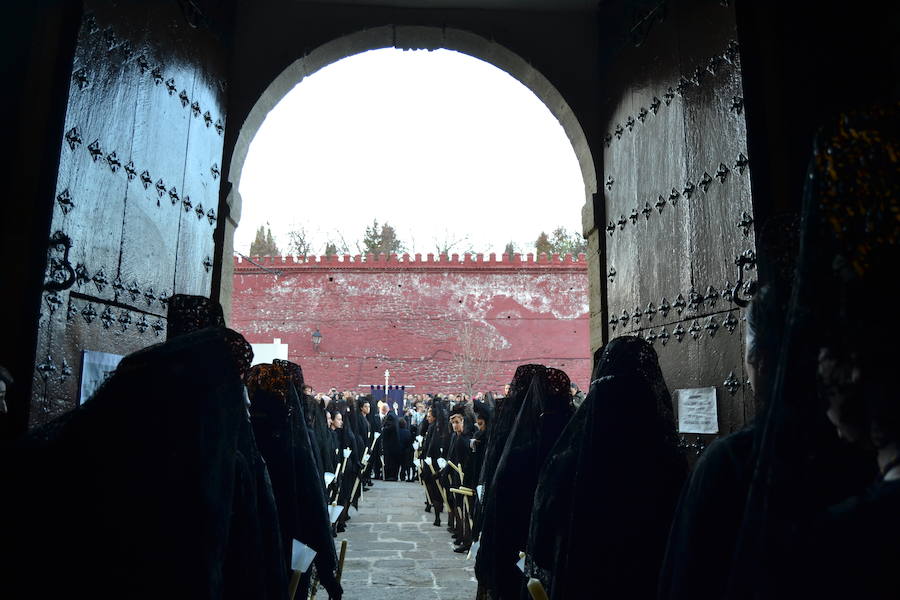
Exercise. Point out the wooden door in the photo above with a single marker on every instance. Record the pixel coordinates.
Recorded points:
(137, 188)
(677, 194)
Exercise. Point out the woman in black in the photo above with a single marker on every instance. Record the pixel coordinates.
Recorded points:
(601, 516)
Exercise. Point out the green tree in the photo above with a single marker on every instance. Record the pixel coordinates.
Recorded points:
(381, 239)
(510, 249)
(542, 244)
(264, 243)
(331, 249)
(565, 242)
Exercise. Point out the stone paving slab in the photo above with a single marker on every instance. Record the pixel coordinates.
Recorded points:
(395, 553)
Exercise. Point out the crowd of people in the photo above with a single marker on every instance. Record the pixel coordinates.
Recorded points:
(191, 474)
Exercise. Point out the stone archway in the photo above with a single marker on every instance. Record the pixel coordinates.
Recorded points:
(404, 38)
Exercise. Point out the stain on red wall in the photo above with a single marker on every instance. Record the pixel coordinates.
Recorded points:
(409, 315)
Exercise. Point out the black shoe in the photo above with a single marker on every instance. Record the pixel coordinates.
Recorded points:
(462, 549)
(366, 489)
(427, 507)
(437, 520)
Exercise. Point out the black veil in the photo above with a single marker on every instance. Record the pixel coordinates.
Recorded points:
(605, 497)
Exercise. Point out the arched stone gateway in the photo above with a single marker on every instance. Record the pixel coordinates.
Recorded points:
(404, 37)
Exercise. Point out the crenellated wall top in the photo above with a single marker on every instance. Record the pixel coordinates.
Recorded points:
(492, 261)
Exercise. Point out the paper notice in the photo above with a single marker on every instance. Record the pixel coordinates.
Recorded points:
(95, 368)
(697, 410)
(301, 556)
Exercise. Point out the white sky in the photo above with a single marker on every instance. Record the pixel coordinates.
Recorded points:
(439, 144)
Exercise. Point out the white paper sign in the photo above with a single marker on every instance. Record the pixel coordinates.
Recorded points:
(301, 556)
(95, 368)
(376, 435)
(697, 410)
(428, 460)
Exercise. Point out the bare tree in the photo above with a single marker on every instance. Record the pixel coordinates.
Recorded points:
(298, 241)
(448, 243)
(473, 360)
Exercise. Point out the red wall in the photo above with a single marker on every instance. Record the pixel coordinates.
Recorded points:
(406, 315)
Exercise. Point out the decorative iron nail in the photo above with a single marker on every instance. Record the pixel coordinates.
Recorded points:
(609, 182)
(622, 221)
(610, 228)
(731, 383)
(618, 132)
(160, 187)
(185, 100)
(53, 301)
(747, 260)
(741, 163)
(607, 139)
(650, 311)
(211, 216)
(613, 321)
(130, 171)
(637, 314)
(642, 114)
(660, 203)
(157, 75)
(158, 327)
(220, 127)
(629, 123)
(146, 179)
(81, 274)
(65, 372)
(95, 150)
(207, 264)
(134, 290)
(705, 181)
(654, 106)
(688, 190)
(695, 299)
(113, 161)
(214, 169)
(71, 311)
(669, 96)
(732, 53)
(651, 336)
(647, 210)
(624, 318)
(678, 332)
(173, 195)
(679, 304)
(674, 196)
(695, 330)
(88, 313)
(664, 307)
(100, 280)
(634, 216)
(722, 172)
(750, 287)
(737, 104)
(186, 203)
(73, 138)
(207, 118)
(170, 85)
(699, 445)
(730, 322)
(611, 274)
(142, 324)
(746, 223)
(712, 294)
(663, 336)
(195, 108)
(727, 292)
(117, 286)
(124, 320)
(683, 85)
(199, 211)
(682, 442)
(80, 77)
(713, 64)
(46, 368)
(712, 325)
(149, 296)
(164, 299)
(65, 201)
(107, 318)
(143, 65)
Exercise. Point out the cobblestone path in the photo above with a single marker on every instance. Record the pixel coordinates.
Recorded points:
(394, 551)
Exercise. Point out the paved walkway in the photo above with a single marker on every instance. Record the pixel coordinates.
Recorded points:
(396, 553)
